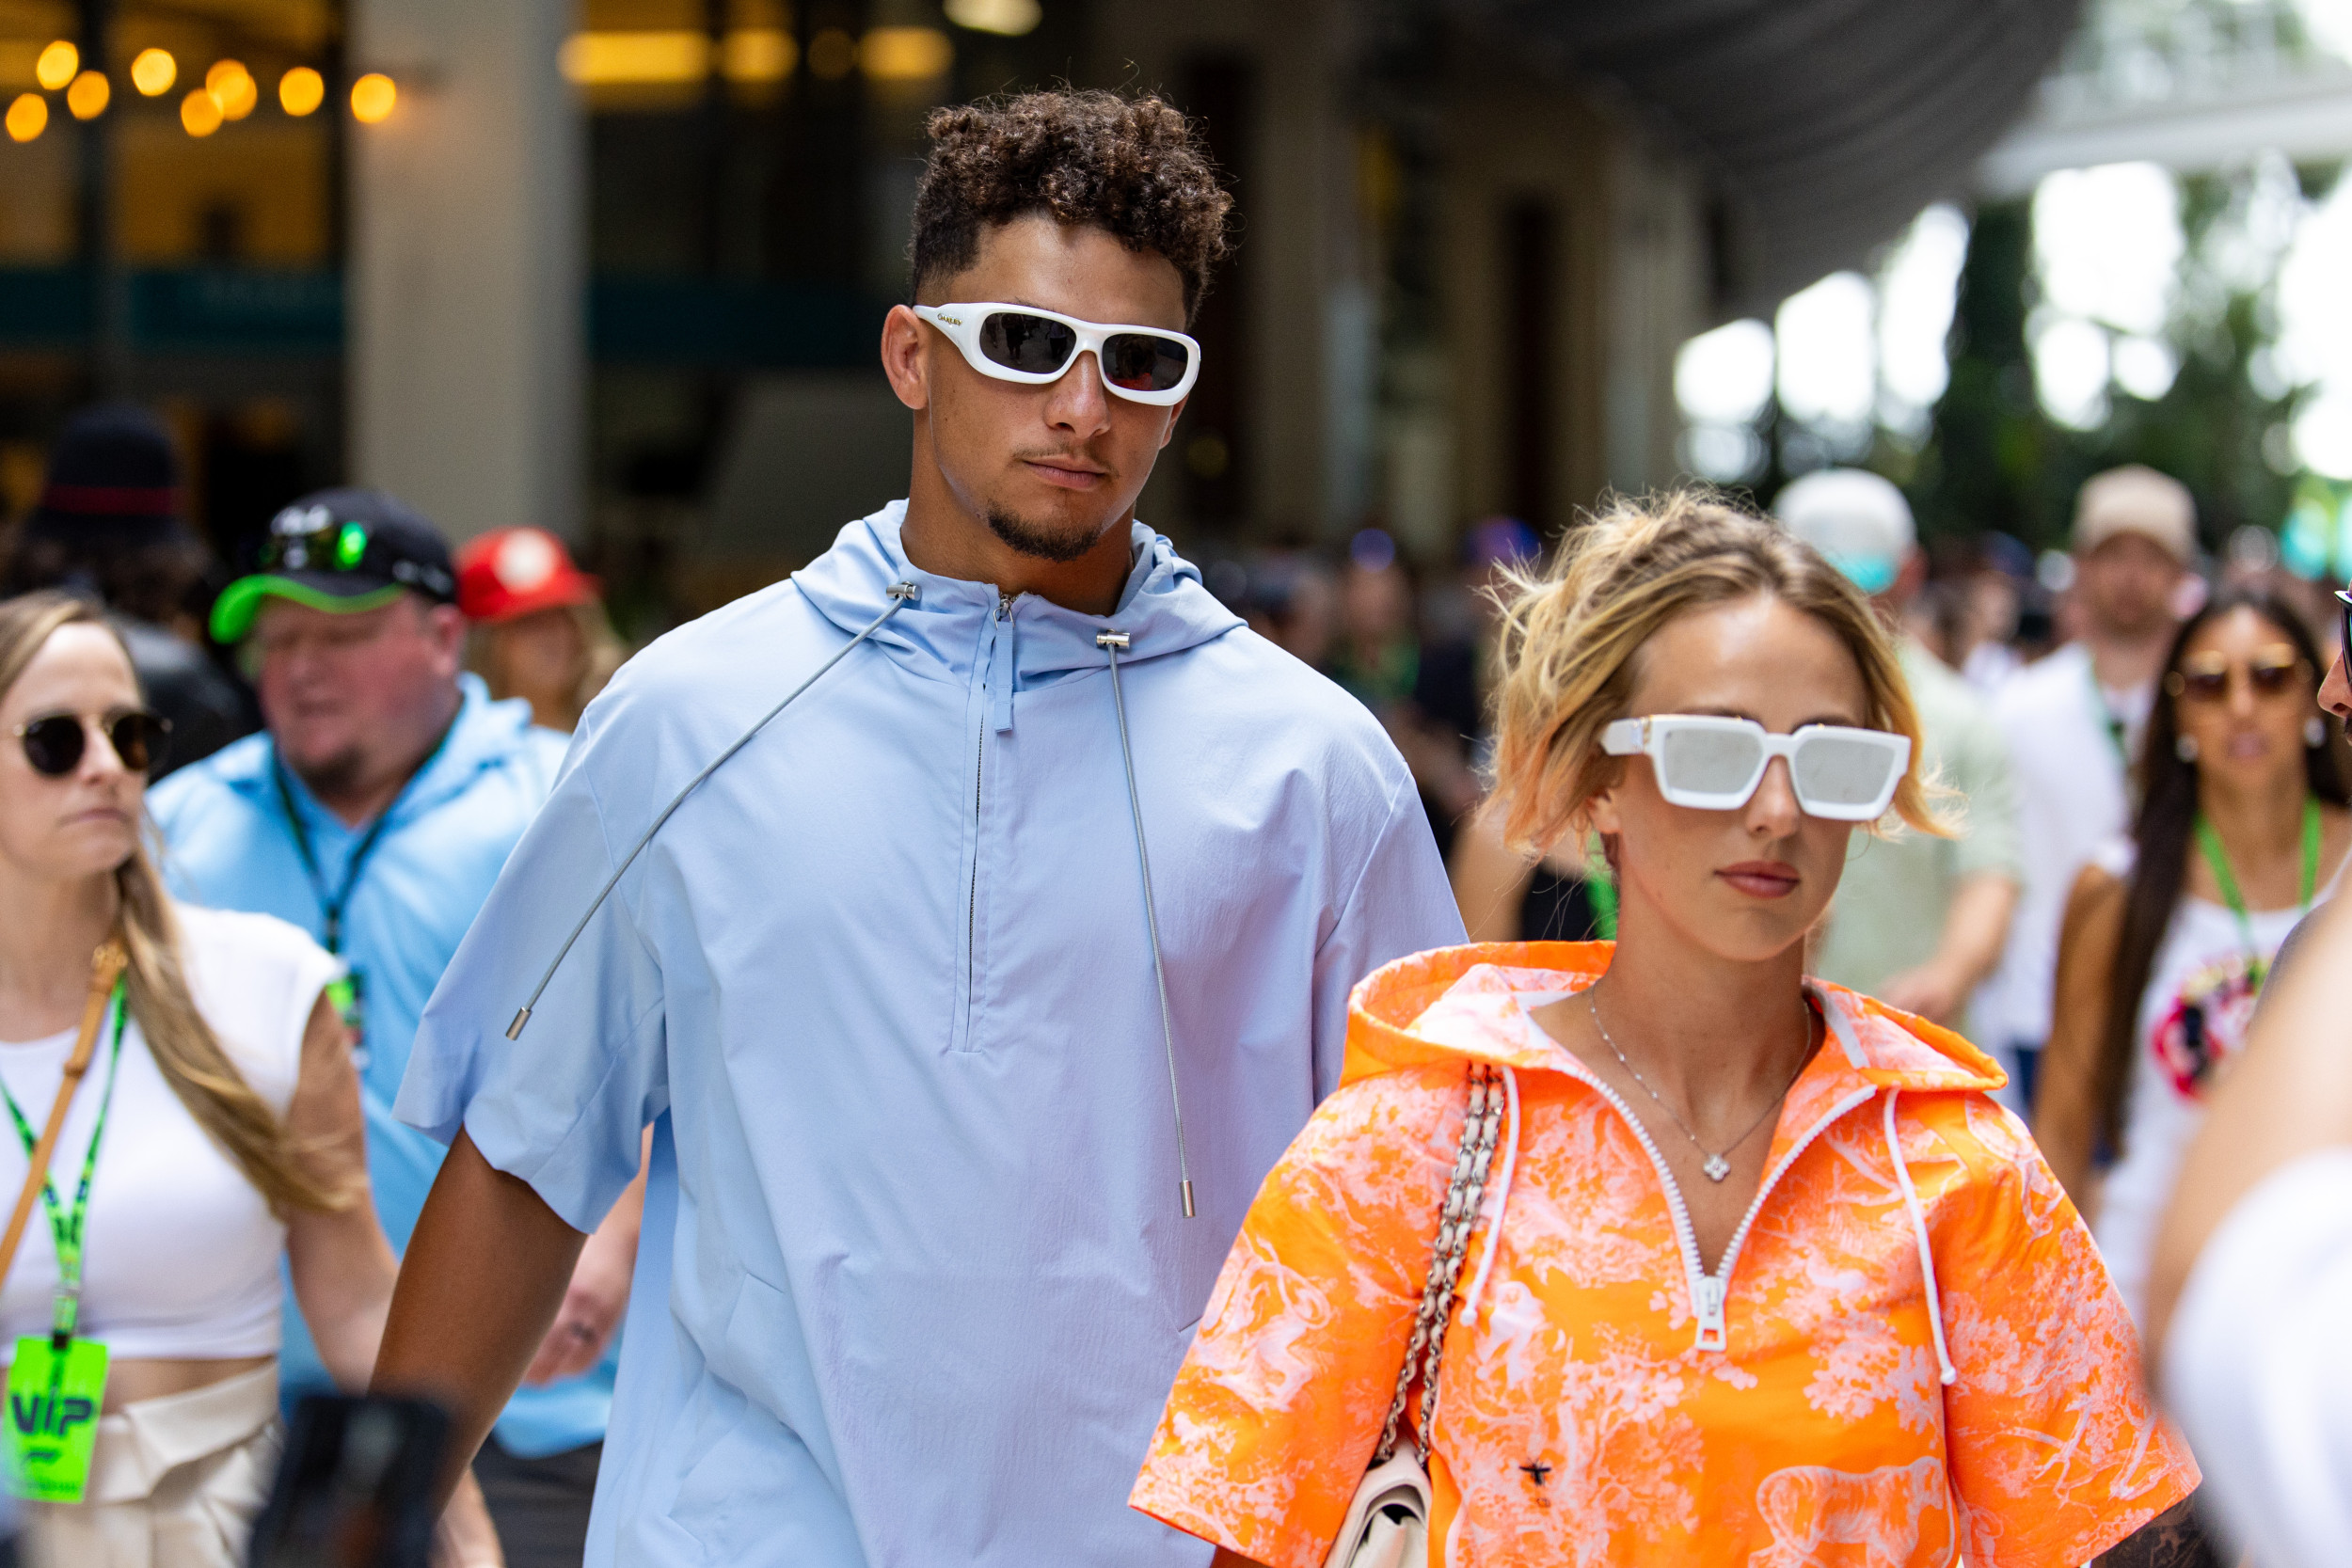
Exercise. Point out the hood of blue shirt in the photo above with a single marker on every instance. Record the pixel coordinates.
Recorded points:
(1164, 609)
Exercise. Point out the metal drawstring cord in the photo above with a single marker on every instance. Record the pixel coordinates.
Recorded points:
(1111, 643)
(900, 593)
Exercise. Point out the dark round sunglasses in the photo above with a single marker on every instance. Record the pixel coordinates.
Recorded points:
(54, 742)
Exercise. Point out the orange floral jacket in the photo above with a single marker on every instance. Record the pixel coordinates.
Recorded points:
(1909, 1352)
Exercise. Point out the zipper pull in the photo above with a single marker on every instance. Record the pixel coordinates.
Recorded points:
(1000, 663)
(1708, 1295)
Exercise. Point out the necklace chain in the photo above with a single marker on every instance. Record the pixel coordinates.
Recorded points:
(1715, 1165)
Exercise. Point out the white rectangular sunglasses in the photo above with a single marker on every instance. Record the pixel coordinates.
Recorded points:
(1715, 764)
(1019, 342)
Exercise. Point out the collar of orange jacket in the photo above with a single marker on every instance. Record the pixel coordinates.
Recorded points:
(1390, 1025)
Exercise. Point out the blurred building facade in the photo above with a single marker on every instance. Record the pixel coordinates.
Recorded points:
(616, 267)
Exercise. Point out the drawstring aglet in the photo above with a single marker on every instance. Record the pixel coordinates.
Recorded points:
(1187, 1187)
(515, 1030)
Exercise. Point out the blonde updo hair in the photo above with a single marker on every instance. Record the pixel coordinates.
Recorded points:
(1571, 634)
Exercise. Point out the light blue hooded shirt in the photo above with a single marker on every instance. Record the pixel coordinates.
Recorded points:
(227, 845)
(915, 1275)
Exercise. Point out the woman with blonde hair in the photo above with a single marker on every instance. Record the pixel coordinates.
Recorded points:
(200, 1121)
(1661, 1251)
(540, 631)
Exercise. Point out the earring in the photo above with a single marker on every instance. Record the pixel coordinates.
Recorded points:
(2315, 732)
(2185, 748)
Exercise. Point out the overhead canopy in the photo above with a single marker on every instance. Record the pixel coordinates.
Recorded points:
(1828, 123)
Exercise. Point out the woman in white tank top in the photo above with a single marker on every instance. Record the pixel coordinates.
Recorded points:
(225, 1113)
(2167, 939)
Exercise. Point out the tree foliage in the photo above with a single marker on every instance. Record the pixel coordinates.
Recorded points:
(1995, 460)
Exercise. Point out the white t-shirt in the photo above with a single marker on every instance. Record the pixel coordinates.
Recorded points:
(2192, 1020)
(2069, 774)
(2258, 1368)
(179, 1250)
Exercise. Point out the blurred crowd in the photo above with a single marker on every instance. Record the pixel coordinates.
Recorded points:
(348, 732)
(2132, 853)
(2128, 732)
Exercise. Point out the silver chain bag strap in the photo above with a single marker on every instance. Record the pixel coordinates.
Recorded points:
(1388, 1524)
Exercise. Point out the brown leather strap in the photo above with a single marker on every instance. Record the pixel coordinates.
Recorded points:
(105, 965)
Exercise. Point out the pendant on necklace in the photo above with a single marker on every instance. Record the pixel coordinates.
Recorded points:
(1717, 1167)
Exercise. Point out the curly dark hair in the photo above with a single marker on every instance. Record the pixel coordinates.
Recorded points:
(1130, 166)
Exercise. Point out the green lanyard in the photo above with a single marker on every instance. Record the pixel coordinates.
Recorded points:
(2117, 729)
(66, 1228)
(2209, 845)
(1600, 892)
(331, 904)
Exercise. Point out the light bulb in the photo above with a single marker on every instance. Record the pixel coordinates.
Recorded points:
(154, 72)
(56, 65)
(199, 114)
(301, 91)
(373, 97)
(90, 95)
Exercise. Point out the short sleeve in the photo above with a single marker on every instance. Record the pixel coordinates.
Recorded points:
(1980, 772)
(2259, 1368)
(1280, 1401)
(1401, 904)
(256, 981)
(2057, 1450)
(564, 1106)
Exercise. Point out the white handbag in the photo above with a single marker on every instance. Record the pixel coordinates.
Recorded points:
(1388, 1524)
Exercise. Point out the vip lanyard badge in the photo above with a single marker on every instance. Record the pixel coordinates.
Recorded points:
(57, 1380)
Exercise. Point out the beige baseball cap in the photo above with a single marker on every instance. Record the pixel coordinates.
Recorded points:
(2135, 499)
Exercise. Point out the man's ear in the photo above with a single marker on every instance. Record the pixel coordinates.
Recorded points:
(445, 629)
(905, 358)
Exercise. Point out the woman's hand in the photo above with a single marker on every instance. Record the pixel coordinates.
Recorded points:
(464, 1537)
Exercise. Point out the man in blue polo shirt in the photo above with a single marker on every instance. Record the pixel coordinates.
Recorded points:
(375, 812)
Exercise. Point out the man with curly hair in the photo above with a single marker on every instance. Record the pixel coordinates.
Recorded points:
(971, 1000)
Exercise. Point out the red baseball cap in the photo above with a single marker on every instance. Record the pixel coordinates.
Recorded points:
(516, 571)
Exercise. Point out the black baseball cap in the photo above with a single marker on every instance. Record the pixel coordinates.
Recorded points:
(341, 551)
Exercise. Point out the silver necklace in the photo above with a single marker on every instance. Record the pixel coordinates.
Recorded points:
(1715, 1165)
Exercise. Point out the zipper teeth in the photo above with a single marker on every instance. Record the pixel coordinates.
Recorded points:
(1771, 1178)
(972, 894)
(979, 765)
(1684, 1236)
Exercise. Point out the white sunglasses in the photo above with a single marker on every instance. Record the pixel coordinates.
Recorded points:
(1019, 342)
(1713, 764)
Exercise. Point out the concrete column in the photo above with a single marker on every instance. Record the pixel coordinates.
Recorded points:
(1309, 311)
(468, 265)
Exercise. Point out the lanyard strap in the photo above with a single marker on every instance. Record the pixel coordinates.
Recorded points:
(2117, 729)
(2218, 858)
(331, 906)
(65, 1227)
